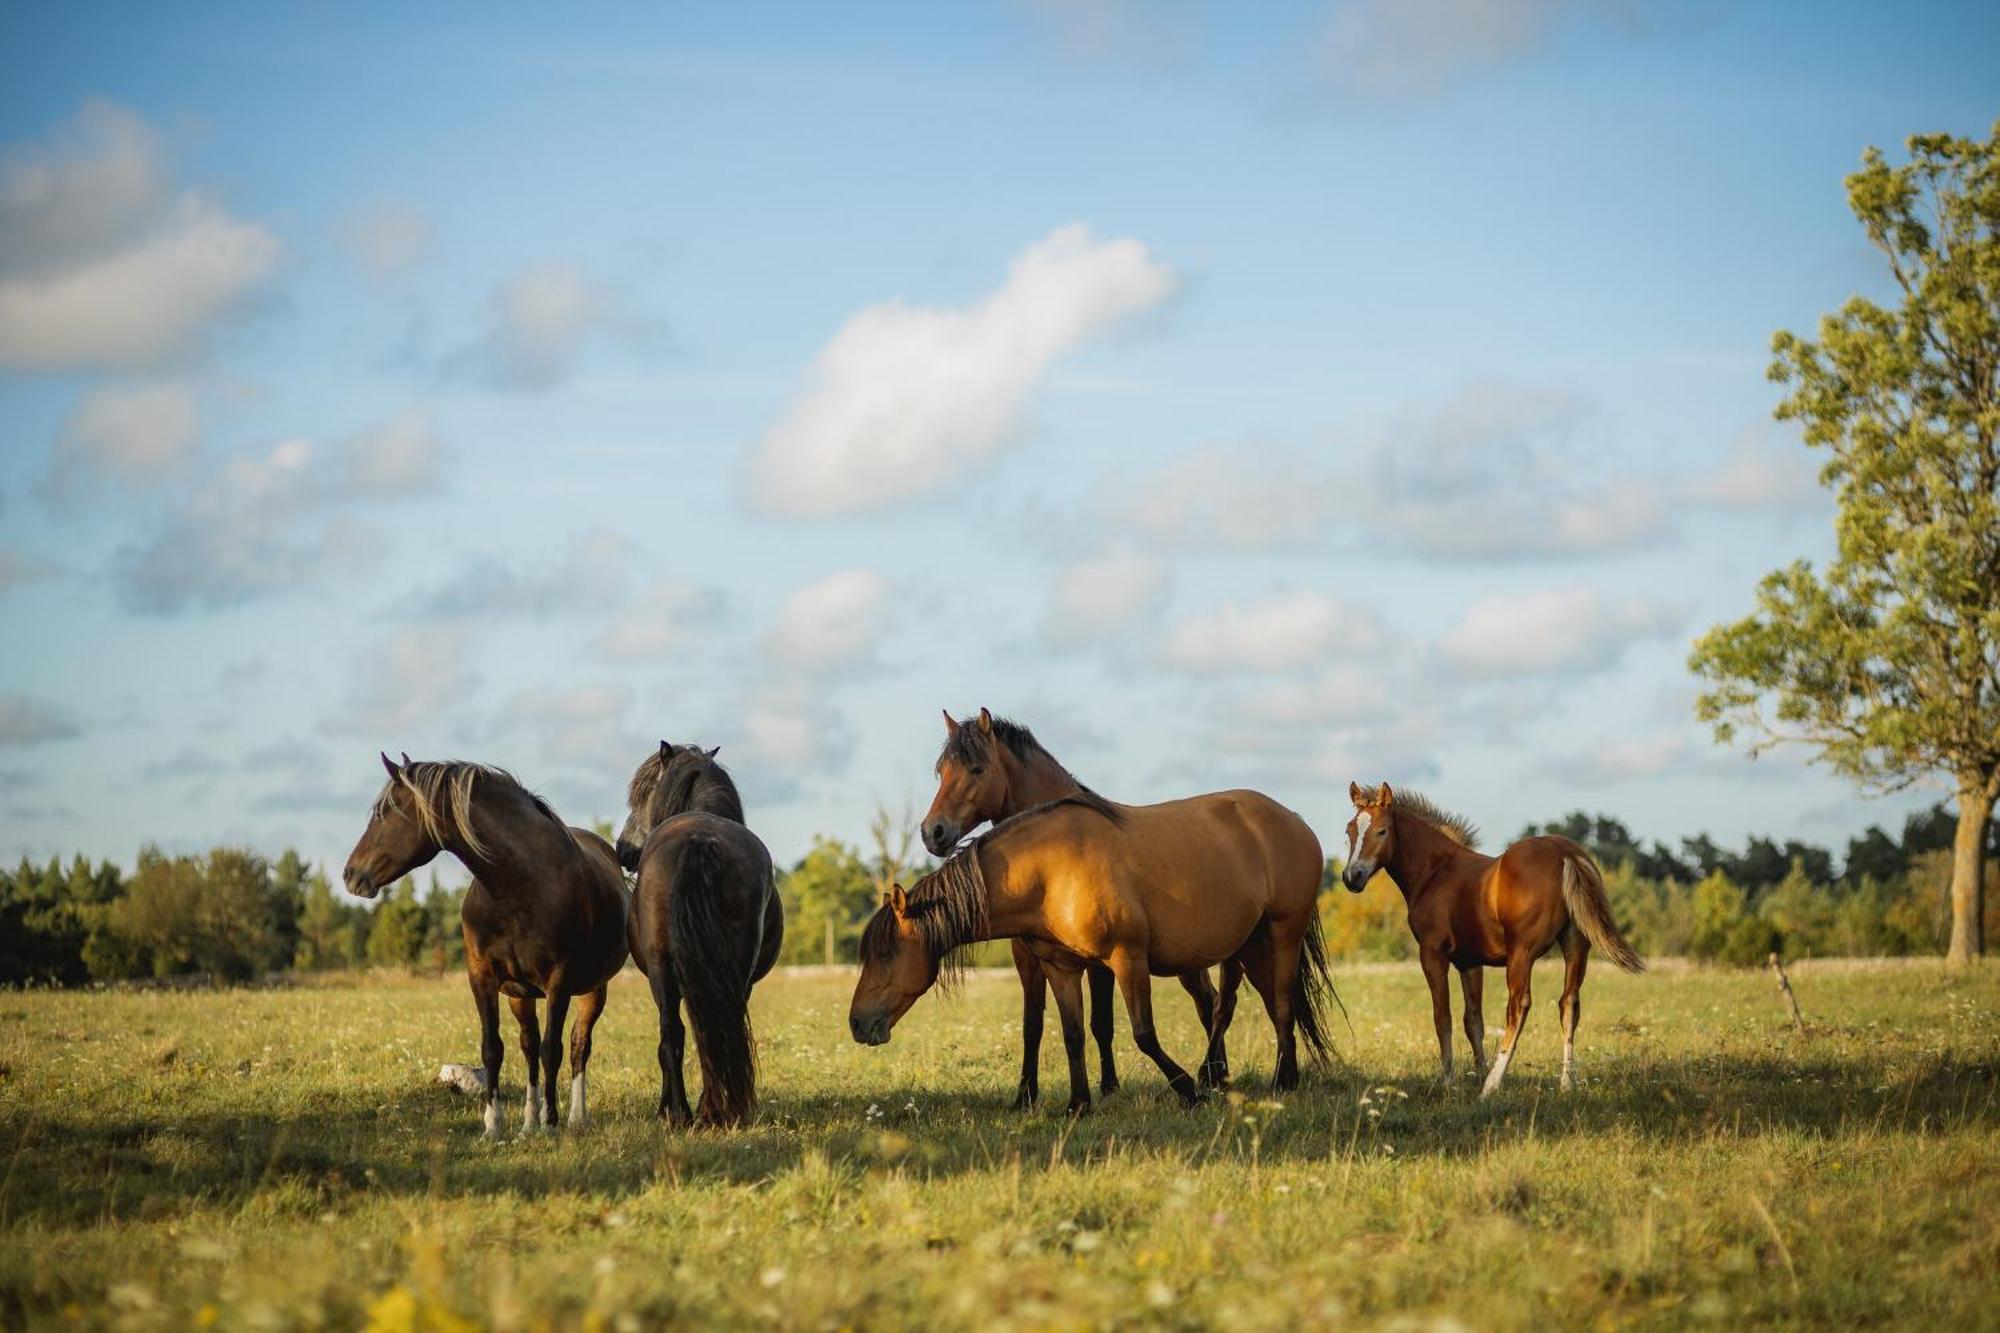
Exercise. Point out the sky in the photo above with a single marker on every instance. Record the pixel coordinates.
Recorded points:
(1273, 397)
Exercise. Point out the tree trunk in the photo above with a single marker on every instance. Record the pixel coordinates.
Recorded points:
(1968, 873)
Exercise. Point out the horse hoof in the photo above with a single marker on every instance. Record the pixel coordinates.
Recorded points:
(1108, 1085)
(1077, 1108)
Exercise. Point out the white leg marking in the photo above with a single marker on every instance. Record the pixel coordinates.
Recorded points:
(1499, 1072)
(1569, 1064)
(578, 1090)
(494, 1118)
(531, 1110)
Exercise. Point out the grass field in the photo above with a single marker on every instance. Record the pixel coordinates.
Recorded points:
(283, 1158)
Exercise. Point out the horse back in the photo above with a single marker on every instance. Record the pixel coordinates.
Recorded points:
(745, 887)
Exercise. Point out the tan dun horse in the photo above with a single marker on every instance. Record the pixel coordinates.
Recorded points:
(992, 769)
(1472, 912)
(706, 925)
(544, 917)
(1158, 890)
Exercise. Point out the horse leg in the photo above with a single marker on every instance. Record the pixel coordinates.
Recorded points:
(1137, 985)
(1215, 1064)
(1202, 991)
(1437, 971)
(552, 1053)
(531, 1055)
(486, 999)
(588, 1007)
(1103, 1026)
(1520, 971)
(1034, 1003)
(1472, 980)
(1576, 953)
(1068, 987)
(1286, 946)
(674, 1108)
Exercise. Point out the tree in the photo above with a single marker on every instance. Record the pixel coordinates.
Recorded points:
(827, 895)
(1887, 663)
(400, 932)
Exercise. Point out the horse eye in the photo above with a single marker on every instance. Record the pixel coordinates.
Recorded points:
(978, 769)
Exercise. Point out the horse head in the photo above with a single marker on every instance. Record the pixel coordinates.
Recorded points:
(1371, 834)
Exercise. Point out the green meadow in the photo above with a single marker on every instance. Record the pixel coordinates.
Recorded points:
(284, 1158)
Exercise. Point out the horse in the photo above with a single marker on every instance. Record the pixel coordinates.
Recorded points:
(992, 769)
(1471, 912)
(1159, 890)
(544, 917)
(706, 925)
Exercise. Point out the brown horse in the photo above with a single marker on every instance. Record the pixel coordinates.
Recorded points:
(706, 925)
(544, 917)
(992, 769)
(1158, 890)
(1471, 912)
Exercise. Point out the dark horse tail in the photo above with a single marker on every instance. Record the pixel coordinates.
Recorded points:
(1310, 991)
(712, 969)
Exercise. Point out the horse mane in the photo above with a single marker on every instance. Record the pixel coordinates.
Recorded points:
(1454, 826)
(968, 744)
(696, 782)
(440, 794)
(948, 908)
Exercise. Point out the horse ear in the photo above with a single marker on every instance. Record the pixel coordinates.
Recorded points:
(1385, 797)
(666, 752)
(950, 724)
(388, 763)
(716, 751)
(1354, 794)
(986, 721)
(899, 901)
(406, 759)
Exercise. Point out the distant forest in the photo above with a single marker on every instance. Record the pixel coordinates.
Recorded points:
(232, 915)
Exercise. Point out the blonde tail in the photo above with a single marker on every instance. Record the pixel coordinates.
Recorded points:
(1583, 894)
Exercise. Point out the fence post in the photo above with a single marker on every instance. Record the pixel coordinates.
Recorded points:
(1785, 986)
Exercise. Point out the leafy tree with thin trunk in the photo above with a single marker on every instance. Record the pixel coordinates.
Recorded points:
(1887, 662)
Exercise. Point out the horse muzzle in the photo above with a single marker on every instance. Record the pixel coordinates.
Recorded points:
(940, 837)
(870, 1031)
(628, 854)
(1356, 877)
(360, 883)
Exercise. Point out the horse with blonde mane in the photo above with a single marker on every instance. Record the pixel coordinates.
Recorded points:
(990, 770)
(544, 917)
(1472, 912)
(1157, 890)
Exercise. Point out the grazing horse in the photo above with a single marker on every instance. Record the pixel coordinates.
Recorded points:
(989, 770)
(706, 925)
(1472, 912)
(544, 917)
(1157, 890)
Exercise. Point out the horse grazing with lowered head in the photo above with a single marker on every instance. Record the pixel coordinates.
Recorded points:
(1157, 890)
(544, 917)
(992, 769)
(706, 925)
(1471, 912)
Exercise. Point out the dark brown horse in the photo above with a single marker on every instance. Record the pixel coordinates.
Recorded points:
(1156, 890)
(1472, 912)
(544, 917)
(706, 925)
(992, 769)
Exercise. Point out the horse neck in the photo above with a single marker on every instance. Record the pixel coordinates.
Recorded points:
(1035, 780)
(520, 842)
(1421, 852)
(1013, 900)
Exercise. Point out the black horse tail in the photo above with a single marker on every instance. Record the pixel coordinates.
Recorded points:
(713, 971)
(1311, 989)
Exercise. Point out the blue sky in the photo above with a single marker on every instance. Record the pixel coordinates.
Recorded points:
(1362, 390)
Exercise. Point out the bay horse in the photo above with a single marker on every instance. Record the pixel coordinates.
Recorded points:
(706, 925)
(992, 769)
(544, 917)
(1158, 890)
(1472, 912)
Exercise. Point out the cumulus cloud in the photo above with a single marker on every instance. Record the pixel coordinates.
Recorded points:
(1559, 631)
(123, 434)
(662, 617)
(1281, 632)
(590, 575)
(1101, 595)
(274, 520)
(386, 237)
(409, 680)
(583, 725)
(832, 623)
(1760, 472)
(26, 720)
(1234, 498)
(1401, 49)
(905, 398)
(105, 261)
(536, 326)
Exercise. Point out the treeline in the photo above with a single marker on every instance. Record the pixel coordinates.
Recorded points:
(1888, 895)
(233, 915)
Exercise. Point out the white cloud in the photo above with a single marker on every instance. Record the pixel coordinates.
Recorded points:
(1559, 631)
(1099, 596)
(408, 681)
(590, 575)
(1236, 498)
(537, 324)
(1395, 49)
(387, 237)
(123, 433)
(663, 617)
(1760, 473)
(106, 263)
(834, 622)
(1640, 757)
(1344, 693)
(1127, 32)
(905, 398)
(26, 720)
(583, 725)
(1281, 632)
